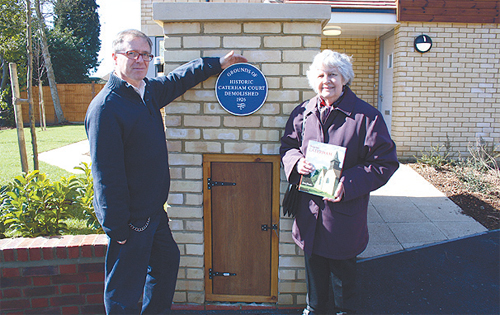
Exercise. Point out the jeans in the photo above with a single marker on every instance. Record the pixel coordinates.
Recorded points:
(147, 265)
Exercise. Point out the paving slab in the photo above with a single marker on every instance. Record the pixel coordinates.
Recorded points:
(416, 213)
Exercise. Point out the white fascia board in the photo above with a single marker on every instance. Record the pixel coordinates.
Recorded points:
(363, 18)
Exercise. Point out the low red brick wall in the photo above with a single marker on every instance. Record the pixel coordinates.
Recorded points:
(65, 275)
(52, 275)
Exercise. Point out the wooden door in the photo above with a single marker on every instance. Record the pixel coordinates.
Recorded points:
(241, 213)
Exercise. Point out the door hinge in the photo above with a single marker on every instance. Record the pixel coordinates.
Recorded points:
(212, 274)
(265, 227)
(211, 183)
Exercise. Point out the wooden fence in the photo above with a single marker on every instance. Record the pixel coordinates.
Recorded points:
(74, 99)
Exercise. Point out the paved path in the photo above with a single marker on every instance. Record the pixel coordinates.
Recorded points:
(407, 212)
(410, 212)
(68, 157)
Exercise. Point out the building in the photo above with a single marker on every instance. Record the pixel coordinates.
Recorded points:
(446, 98)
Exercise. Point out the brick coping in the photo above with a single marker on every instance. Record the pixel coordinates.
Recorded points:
(52, 247)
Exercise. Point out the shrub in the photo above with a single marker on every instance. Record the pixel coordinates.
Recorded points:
(6, 110)
(85, 197)
(33, 206)
(472, 170)
(2, 224)
(435, 158)
(482, 156)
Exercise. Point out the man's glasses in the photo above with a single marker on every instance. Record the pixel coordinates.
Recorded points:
(132, 54)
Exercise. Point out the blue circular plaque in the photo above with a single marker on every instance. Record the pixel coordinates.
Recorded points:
(241, 89)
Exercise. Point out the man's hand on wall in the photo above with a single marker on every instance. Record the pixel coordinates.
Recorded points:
(231, 58)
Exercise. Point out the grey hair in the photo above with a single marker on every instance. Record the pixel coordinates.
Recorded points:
(120, 39)
(328, 58)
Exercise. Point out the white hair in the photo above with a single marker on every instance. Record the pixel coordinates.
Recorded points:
(327, 59)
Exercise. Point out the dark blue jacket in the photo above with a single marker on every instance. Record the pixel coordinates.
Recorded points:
(128, 146)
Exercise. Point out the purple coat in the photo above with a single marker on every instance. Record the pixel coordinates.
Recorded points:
(339, 230)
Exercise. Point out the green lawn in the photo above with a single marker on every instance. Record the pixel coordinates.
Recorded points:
(54, 137)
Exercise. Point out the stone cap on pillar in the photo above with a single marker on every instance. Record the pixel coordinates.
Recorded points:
(239, 12)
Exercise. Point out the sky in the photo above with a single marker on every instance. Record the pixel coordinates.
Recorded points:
(115, 16)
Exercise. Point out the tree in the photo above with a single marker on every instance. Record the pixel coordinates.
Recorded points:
(29, 81)
(48, 65)
(12, 49)
(71, 44)
(74, 41)
(68, 64)
(12, 36)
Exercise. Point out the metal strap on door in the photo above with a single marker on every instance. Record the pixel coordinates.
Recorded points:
(211, 183)
(212, 274)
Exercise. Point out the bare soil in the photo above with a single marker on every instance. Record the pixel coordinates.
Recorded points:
(483, 206)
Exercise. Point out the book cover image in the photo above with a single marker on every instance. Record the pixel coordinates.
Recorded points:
(328, 160)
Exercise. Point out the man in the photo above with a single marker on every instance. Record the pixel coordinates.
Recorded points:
(131, 173)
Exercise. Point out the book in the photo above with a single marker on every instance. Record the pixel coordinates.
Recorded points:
(328, 161)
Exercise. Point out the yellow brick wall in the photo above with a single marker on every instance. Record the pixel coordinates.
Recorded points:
(365, 55)
(449, 95)
(197, 124)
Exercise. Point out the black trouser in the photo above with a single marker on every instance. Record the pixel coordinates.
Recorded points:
(322, 272)
(146, 265)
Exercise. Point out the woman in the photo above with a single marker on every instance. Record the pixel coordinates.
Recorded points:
(332, 232)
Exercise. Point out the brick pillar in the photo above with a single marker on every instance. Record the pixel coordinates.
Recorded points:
(279, 39)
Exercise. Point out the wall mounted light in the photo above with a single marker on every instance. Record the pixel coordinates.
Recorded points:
(332, 31)
(422, 43)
